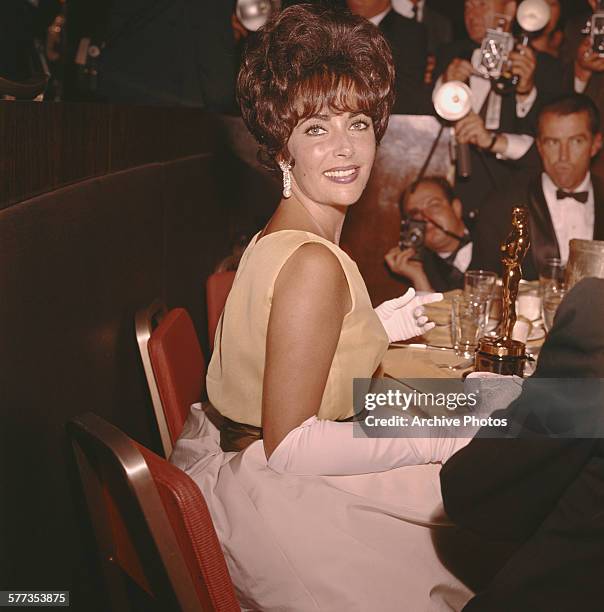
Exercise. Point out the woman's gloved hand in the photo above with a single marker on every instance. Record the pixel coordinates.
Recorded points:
(405, 316)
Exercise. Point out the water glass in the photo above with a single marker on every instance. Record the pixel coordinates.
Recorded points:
(468, 323)
(479, 283)
(552, 297)
(551, 273)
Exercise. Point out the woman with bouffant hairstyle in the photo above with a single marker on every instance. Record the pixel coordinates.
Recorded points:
(309, 516)
(303, 63)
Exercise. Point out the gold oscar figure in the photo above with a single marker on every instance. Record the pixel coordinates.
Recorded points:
(503, 355)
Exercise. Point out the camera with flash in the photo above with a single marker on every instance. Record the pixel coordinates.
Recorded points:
(532, 16)
(595, 29)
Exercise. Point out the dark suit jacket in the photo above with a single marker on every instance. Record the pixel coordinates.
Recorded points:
(488, 172)
(175, 53)
(545, 494)
(497, 224)
(443, 276)
(440, 31)
(409, 43)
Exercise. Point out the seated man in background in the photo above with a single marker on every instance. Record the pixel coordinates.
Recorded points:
(448, 249)
(564, 201)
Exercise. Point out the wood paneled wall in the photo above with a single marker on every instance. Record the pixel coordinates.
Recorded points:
(134, 203)
(47, 146)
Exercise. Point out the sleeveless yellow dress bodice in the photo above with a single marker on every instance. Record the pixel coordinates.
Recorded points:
(236, 371)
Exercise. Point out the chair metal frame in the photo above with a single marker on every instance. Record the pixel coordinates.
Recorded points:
(145, 321)
(96, 443)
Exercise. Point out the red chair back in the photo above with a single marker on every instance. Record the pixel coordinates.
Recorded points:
(151, 523)
(178, 366)
(218, 287)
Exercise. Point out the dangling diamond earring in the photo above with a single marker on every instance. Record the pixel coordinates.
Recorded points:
(287, 178)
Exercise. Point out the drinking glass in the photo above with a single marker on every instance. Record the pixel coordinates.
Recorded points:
(479, 283)
(468, 322)
(551, 273)
(552, 297)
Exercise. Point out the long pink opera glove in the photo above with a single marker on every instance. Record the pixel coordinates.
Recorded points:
(327, 448)
(405, 316)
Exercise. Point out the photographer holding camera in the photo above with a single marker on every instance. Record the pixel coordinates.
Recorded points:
(509, 82)
(583, 52)
(436, 247)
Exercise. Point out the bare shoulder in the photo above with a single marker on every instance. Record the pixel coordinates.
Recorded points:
(314, 270)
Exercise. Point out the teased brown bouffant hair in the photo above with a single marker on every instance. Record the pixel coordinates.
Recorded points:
(308, 58)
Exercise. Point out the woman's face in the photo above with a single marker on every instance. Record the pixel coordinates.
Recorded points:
(333, 156)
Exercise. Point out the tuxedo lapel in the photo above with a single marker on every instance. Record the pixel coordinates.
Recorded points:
(387, 25)
(542, 234)
(598, 208)
(442, 275)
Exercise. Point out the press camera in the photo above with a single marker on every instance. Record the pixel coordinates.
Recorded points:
(532, 16)
(595, 29)
(495, 50)
(413, 235)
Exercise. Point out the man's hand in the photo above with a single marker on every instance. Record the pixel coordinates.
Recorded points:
(524, 62)
(400, 262)
(587, 62)
(471, 130)
(458, 70)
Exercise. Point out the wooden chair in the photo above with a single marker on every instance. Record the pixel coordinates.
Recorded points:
(151, 523)
(174, 366)
(218, 287)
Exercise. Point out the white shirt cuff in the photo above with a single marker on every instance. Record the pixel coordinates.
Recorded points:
(517, 146)
(580, 85)
(524, 108)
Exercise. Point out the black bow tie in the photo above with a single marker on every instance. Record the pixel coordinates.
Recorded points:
(580, 196)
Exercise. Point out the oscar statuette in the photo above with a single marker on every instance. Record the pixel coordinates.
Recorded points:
(503, 355)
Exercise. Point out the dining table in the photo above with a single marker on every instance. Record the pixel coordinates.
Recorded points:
(432, 355)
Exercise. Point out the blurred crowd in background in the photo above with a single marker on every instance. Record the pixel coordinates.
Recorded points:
(186, 52)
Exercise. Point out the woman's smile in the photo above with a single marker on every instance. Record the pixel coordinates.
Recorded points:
(345, 175)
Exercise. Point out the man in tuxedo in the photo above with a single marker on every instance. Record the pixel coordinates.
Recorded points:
(438, 26)
(409, 43)
(501, 126)
(541, 487)
(448, 249)
(565, 201)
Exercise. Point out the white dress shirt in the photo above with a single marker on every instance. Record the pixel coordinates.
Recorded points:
(570, 218)
(462, 259)
(405, 8)
(580, 85)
